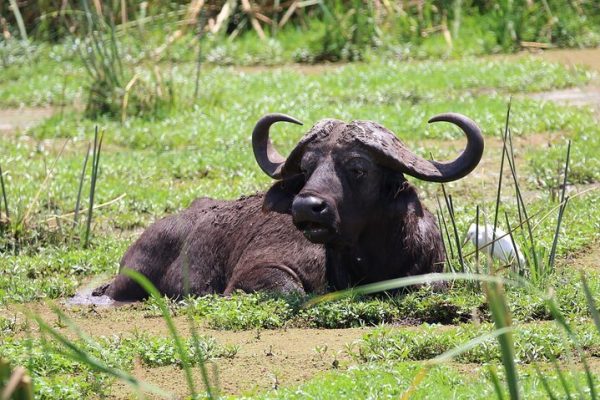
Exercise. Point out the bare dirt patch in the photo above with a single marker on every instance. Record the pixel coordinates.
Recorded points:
(581, 96)
(587, 57)
(266, 359)
(16, 119)
(588, 258)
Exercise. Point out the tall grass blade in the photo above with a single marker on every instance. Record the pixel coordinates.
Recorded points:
(78, 354)
(456, 236)
(496, 382)
(160, 301)
(81, 180)
(566, 173)
(446, 259)
(545, 384)
(561, 210)
(449, 355)
(499, 191)
(398, 283)
(477, 240)
(501, 317)
(562, 379)
(4, 196)
(562, 322)
(552, 256)
(513, 171)
(591, 302)
(450, 207)
(95, 163)
(521, 269)
(15, 384)
(443, 218)
(195, 336)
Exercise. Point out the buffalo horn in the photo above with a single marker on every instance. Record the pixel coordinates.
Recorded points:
(402, 159)
(267, 157)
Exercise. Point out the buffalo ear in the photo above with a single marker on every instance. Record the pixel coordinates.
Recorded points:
(280, 196)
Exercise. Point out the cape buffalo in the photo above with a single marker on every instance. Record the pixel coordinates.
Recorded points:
(341, 213)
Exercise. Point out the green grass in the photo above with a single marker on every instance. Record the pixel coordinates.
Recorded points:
(460, 304)
(390, 381)
(533, 343)
(57, 376)
(201, 148)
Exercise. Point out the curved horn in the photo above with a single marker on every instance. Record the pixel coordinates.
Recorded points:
(397, 156)
(267, 157)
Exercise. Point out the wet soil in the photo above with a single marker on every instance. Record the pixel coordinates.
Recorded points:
(266, 359)
(16, 119)
(286, 357)
(580, 96)
(585, 57)
(586, 259)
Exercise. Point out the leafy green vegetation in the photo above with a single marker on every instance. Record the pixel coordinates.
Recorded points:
(460, 304)
(56, 375)
(390, 381)
(533, 342)
(169, 139)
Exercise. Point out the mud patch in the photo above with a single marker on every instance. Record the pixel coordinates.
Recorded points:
(588, 258)
(586, 57)
(16, 119)
(580, 96)
(266, 359)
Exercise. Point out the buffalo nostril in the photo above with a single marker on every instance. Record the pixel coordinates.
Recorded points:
(308, 208)
(319, 207)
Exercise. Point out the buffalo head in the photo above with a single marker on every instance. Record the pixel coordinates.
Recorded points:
(342, 176)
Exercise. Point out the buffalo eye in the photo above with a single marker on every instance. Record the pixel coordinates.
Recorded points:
(358, 172)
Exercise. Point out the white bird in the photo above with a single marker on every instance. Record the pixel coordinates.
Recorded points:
(503, 246)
